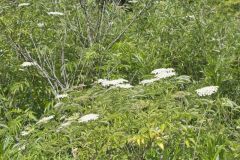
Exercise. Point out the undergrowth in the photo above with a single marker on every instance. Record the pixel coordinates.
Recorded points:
(157, 121)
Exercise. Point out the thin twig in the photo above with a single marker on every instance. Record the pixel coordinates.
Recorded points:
(128, 26)
(27, 57)
(63, 67)
(87, 19)
(49, 64)
(101, 11)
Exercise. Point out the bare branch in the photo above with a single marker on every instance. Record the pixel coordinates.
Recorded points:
(87, 19)
(63, 67)
(128, 26)
(101, 11)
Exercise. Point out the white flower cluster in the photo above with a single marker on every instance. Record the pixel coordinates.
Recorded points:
(121, 83)
(68, 121)
(23, 4)
(190, 16)
(160, 73)
(56, 13)
(40, 25)
(45, 119)
(162, 70)
(132, 1)
(28, 64)
(65, 124)
(88, 117)
(60, 96)
(75, 153)
(59, 104)
(164, 73)
(207, 91)
(21, 148)
(25, 133)
(126, 86)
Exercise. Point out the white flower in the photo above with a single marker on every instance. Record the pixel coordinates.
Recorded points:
(207, 91)
(68, 121)
(63, 117)
(88, 117)
(165, 75)
(23, 147)
(110, 23)
(132, 1)
(147, 81)
(23, 4)
(59, 104)
(40, 25)
(126, 86)
(59, 96)
(159, 74)
(163, 70)
(101, 80)
(45, 119)
(64, 125)
(106, 83)
(56, 13)
(28, 64)
(25, 133)
(190, 16)
(75, 152)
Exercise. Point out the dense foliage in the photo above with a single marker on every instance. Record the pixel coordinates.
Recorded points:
(72, 44)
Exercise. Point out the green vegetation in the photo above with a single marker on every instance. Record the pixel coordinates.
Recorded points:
(70, 44)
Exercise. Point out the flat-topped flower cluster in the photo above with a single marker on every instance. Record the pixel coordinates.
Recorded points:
(28, 64)
(23, 4)
(120, 83)
(207, 91)
(160, 73)
(45, 119)
(53, 13)
(56, 13)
